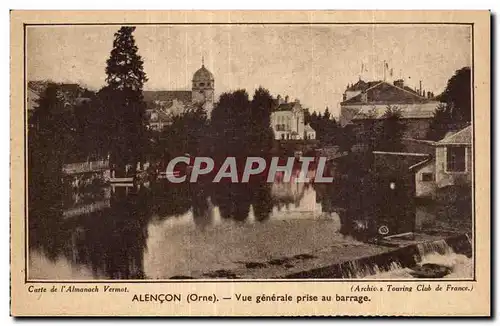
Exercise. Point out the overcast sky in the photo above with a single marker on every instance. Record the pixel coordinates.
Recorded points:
(313, 63)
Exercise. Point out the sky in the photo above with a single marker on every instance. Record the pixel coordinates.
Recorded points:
(311, 63)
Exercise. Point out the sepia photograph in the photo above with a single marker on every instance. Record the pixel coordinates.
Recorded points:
(250, 163)
(249, 151)
(387, 107)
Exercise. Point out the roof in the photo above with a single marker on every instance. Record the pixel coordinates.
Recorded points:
(203, 74)
(289, 106)
(462, 137)
(361, 85)
(422, 164)
(168, 96)
(69, 94)
(399, 161)
(386, 93)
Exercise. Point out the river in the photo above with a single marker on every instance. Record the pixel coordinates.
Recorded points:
(203, 230)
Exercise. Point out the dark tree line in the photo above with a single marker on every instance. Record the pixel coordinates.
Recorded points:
(326, 127)
(93, 125)
(238, 127)
(241, 127)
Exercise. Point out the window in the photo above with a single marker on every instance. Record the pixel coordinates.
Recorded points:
(455, 159)
(202, 84)
(282, 136)
(426, 176)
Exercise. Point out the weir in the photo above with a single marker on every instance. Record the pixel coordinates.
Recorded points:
(406, 257)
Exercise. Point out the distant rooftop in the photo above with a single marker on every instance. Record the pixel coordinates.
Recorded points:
(462, 137)
(361, 85)
(286, 106)
(168, 96)
(386, 93)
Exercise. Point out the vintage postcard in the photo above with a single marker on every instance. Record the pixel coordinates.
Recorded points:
(245, 163)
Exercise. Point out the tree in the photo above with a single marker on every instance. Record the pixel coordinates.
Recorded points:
(390, 132)
(346, 138)
(370, 128)
(51, 140)
(123, 99)
(441, 123)
(307, 116)
(231, 124)
(455, 111)
(327, 115)
(124, 68)
(457, 95)
(314, 122)
(262, 104)
(261, 133)
(326, 127)
(187, 133)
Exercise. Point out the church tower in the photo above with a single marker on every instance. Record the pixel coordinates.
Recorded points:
(203, 88)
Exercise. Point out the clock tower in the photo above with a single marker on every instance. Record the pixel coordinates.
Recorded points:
(203, 88)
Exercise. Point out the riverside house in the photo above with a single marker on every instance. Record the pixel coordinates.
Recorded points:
(450, 166)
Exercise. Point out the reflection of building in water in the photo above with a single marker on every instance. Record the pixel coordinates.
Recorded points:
(203, 209)
(294, 197)
(81, 203)
(288, 192)
(112, 242)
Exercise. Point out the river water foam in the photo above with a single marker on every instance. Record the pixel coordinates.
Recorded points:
(435, 252)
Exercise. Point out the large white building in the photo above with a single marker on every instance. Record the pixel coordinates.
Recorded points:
(287, 121)
(365, 102)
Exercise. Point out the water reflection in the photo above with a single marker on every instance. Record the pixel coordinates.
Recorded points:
(172, 229)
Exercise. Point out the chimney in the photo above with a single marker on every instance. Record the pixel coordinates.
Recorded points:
(280, 100)
(420, 89)
(399, 83)
(286, 99)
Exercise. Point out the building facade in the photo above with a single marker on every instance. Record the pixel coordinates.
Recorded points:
(287, 121)
(203, 89)
(162, 106)
(450, 166)
(364, 102)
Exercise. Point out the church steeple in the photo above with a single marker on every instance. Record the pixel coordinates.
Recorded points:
(203, 87)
